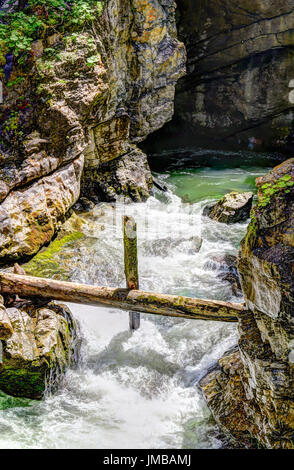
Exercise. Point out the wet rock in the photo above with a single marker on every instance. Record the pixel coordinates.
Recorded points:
(45, 341)
(128, 177)
(164, 246)
(232, 208)
(227, 265)
(225, 396)
(264, 399)
(83, 205)
(159, 185)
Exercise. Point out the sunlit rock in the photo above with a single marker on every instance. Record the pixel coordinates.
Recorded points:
(232, 208)
(43, 344)
(6, 329)
(30, 217)
(93, 94)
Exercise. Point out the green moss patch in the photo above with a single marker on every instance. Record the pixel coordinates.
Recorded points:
(7, 401)
(32, 381)
(44, 264)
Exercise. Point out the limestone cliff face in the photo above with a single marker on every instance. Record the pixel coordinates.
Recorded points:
(240, 63)
(251, 391)
(80, 105)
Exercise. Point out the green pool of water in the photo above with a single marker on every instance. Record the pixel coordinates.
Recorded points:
(198, 184)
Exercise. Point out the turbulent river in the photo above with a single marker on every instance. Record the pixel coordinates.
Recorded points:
(140, 390)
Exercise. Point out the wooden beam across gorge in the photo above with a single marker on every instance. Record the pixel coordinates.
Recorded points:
(125, 299)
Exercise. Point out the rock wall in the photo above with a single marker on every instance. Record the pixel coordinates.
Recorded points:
(240, 63)
(251, 390)
(83, 102)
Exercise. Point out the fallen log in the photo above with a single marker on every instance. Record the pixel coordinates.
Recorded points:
(125, 299)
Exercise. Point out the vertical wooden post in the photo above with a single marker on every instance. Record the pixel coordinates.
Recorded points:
(131, 263)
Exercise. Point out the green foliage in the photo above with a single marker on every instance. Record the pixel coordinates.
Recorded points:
(17, 35)
(11, 124)
(93, 60)
(14, 82)
(268, 190)
(19, 29)
(45, 264)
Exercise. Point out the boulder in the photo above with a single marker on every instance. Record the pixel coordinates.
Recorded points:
(129, 177)
(225, 396)
(44, 342)
(29, 217)
(83, 205)
(232, 208)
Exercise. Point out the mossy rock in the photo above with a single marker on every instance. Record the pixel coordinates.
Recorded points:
(44, 343)
(45, 263)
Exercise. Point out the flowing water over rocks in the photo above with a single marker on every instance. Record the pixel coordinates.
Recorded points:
(140, 390)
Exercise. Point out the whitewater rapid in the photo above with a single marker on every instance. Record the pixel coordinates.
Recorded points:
(140, 390)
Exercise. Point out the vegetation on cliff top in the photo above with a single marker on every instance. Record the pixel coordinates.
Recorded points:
(18, 29)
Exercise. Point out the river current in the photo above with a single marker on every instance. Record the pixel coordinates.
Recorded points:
(140, 390)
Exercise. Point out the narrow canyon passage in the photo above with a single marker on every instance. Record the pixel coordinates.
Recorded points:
(140, 390)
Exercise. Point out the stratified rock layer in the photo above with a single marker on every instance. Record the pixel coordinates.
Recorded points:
(240, 64)
(29, 217)
(85, 96)
(254, 397)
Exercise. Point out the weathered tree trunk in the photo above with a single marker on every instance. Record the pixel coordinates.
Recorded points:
(131, 263)
(125, 299)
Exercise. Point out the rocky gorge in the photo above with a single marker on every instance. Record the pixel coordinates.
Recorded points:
(239, 58)
(74, 110)
(77, 105)
(74, 107)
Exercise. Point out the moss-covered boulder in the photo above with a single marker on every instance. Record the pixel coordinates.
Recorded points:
(43, 344)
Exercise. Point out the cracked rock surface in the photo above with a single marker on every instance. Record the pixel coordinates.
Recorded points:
(251, 389)
(240, 63)
(74, 128)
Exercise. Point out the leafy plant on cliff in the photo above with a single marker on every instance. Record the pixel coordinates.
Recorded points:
(18, 29)
(268, 190)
